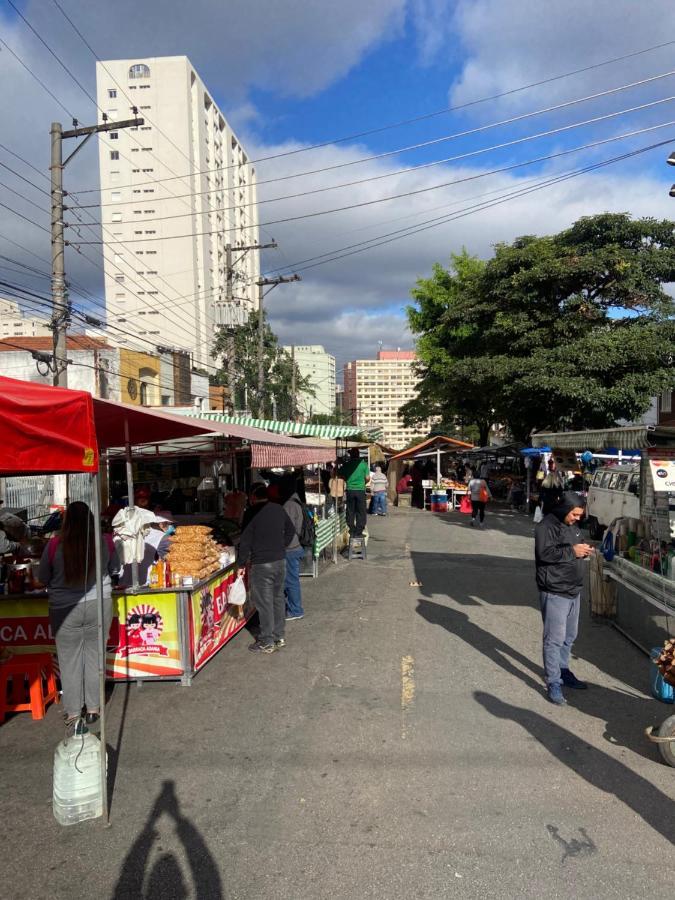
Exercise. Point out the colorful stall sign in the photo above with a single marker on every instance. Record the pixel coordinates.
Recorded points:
(147, 643)
(214, 621)
(24, 626)
(662, 465)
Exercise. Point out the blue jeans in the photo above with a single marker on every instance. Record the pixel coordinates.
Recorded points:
(561, 624)
(379, 504)
(294, 559)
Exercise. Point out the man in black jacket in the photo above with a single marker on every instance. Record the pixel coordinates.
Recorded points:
(263, 543)
(560, 554)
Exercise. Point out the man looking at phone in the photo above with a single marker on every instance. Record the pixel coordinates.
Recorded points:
(560, 554)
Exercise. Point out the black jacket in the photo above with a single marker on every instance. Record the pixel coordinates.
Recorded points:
(266, 537)
(558, 569)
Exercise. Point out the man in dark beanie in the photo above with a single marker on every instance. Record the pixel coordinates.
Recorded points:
(560, 554)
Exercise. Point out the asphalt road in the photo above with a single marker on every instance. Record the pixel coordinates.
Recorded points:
(400, 746)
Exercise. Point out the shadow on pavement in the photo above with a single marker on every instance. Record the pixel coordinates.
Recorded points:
(624, 714)
(491, 578)
(166, 878)
(593, 765)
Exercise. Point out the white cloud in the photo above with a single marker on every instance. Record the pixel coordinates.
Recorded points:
(510, 43)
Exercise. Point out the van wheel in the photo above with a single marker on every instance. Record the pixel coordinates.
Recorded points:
(595, 529)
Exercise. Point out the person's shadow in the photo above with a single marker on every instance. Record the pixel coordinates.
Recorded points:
(625, 714)
(593, 765)
(166, 878)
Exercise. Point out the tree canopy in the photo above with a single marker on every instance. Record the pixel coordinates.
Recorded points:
(568, 331)
(277, 396)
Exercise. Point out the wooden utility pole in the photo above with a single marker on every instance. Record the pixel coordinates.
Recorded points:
(60, 303)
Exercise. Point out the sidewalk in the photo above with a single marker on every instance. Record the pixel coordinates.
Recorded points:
(400, 746)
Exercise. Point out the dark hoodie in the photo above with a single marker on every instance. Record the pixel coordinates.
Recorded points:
(558, 569)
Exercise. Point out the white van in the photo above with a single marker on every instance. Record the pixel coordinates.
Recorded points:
(614, 492)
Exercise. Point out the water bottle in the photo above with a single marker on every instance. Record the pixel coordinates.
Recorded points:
(77, 779)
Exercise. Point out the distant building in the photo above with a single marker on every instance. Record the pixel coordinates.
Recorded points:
(375, 390)
(14, 324)
(112, 373)
(175, 192)
(319, 367)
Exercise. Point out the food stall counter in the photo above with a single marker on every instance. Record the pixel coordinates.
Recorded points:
(156, 633)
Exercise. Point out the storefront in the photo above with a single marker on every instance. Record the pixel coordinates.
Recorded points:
(642, 568)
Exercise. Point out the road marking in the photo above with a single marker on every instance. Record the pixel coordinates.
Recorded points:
(407, 691)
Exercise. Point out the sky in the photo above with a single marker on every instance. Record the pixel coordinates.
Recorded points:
(480, 79)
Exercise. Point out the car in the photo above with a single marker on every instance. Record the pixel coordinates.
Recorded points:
(614, 492)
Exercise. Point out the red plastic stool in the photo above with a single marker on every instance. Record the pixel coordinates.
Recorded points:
(15, 696)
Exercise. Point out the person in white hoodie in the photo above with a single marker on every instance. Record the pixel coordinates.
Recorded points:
(378, 488)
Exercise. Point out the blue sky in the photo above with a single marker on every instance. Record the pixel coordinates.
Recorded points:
(301, 72)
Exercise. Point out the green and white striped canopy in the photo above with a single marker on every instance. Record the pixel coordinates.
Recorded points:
(297, 428)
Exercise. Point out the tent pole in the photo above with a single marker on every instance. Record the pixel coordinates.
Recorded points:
(130, 495)
(438, 465)
(102, 637)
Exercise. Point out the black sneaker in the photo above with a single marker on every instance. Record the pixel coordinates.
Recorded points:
(279, 644)
(257, 647)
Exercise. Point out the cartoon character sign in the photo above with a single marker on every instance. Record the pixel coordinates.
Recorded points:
(142, 631)
(207, 616)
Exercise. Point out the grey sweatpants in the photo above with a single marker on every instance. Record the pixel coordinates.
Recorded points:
(561, 624)
(76, 633)
(267, 592)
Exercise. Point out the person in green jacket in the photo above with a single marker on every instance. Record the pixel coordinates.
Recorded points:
(356, 475)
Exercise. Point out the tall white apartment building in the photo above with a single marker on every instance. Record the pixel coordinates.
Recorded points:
(175, 192)
(314, 363)
(375, 390)
(14, 324)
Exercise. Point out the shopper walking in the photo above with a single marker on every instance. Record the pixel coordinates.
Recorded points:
(68, 568)
(295, 552)
(356, 475)
(479, 492)
(378, 489)
(560, 554)
(263, 544)
(551, 490)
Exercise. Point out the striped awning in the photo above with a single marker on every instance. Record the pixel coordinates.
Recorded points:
(281, 456)
(630, 437)
(297, 428)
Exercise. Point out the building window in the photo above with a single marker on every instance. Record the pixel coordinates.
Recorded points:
(141, 86)
(112, 114)
(115, 196)
(139, 70)
(147, 170)
(667, 401)
(112, 93)
(151, 231)
(148, 211)
(113, 135)
(117, 217)
(148, 190)
(114, 154)
(119, 279)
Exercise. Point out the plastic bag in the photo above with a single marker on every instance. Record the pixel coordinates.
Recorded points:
(607, 546)
(465, 504)
(236, 593)
(538, 515)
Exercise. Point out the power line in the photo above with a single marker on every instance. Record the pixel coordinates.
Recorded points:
(413, 120)
(434, 187)
(488, 205)
(411, 169)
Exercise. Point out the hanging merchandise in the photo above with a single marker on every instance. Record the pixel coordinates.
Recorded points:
(538, 515)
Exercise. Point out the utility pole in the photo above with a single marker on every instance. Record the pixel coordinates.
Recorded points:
(272, 283)
(60, 303)
(230, 363)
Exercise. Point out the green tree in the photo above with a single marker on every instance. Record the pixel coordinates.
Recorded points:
(278, 367)
(337, 417)
(569, 331)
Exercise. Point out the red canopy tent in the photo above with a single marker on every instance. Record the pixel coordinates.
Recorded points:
(45, 429)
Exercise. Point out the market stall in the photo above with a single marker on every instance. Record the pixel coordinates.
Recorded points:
(641, 560)
(164, 631)
(434, 485)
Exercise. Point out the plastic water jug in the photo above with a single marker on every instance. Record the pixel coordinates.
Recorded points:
(77, 779)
